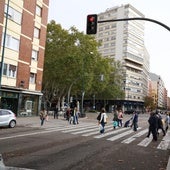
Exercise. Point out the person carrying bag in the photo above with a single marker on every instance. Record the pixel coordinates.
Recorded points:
(103, 120)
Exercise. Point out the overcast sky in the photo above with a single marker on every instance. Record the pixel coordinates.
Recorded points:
(157, 39)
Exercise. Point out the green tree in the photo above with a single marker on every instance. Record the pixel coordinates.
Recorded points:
(73, 63)
(149, 103)
(69, 58)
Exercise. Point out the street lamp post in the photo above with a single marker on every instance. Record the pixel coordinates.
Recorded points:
(83, 91)
(94, 105)
(3, 49)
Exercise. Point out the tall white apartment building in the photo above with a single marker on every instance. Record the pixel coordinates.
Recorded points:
(124, 41)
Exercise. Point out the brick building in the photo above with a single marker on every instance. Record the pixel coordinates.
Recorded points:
(23, 25)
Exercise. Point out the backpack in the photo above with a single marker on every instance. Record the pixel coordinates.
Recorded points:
(99, 116)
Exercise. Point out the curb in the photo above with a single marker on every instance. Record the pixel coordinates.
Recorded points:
(3, 167)
(168, 165)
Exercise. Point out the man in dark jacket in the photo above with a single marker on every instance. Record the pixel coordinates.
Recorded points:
(160, 124)
(153, 126)
(135, 121)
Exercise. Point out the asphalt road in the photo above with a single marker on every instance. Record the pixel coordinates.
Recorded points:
(60, 146)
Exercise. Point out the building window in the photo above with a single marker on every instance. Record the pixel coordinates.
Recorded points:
(11, 42)
(107, 27)
(12, 71)
(34, 55)
(9, 70)
(32, 78)
(5, 69)
(36, 32)
(38, 11)
(13, 15)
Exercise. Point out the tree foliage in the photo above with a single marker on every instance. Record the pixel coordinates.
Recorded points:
(72, 61)
(149, 103)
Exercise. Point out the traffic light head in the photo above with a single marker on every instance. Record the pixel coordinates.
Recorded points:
(91, 24)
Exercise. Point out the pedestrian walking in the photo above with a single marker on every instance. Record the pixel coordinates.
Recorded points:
(160, 124)
(135, 121)
(103, 120)
(56, 112)
(76, 114)
(120, 118)
(153, 126)
(42, 116)
(71, 118)
(167, 121)
(68, 114)
(115, 120)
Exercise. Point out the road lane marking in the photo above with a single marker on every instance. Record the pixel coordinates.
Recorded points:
(86, 130)
(1, 161)
(120, 135)
(145, 142)
(132, 138)
(110, 133)
(165, 143)
(40, 132)
(94, 130)
(28, 134)
(79, 129)
(97, 132)
(68, 128)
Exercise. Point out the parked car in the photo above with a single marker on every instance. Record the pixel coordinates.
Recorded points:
(7, 118)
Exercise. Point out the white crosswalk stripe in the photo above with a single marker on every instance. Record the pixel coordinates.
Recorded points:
(127, 135)
(79, 129)
(146, 142)
(108, 128)
(110, 133)
(132, 138)
(120, 135)
(86, 130)
(165, 143)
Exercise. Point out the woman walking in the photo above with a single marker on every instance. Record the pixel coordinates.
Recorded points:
(120, 118)
(103, 120)
(42, 116)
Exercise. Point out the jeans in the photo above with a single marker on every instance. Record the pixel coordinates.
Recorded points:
(42, 121)
(103, 125)
(120, 122)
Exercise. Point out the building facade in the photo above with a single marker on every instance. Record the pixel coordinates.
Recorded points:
(23, 25)
(158, 92)
(168, 103)
(124, 41)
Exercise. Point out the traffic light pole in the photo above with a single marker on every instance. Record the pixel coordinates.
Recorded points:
(128, 19)
(92, 22)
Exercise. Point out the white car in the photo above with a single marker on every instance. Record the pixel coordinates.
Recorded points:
(7, 118)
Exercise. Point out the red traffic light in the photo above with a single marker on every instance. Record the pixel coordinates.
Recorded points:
(91, 24)
(91, 18)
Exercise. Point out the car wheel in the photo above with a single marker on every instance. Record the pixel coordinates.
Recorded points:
(12, 123)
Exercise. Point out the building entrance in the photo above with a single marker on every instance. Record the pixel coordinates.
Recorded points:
(9, 103)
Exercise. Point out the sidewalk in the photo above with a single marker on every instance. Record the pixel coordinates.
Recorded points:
(35, 120)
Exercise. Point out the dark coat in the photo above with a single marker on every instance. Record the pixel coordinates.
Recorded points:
(135, 118)
(153, 121)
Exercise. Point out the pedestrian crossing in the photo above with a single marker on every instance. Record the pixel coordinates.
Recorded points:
(124, 135)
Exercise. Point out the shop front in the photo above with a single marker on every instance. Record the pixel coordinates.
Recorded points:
(21, 102)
